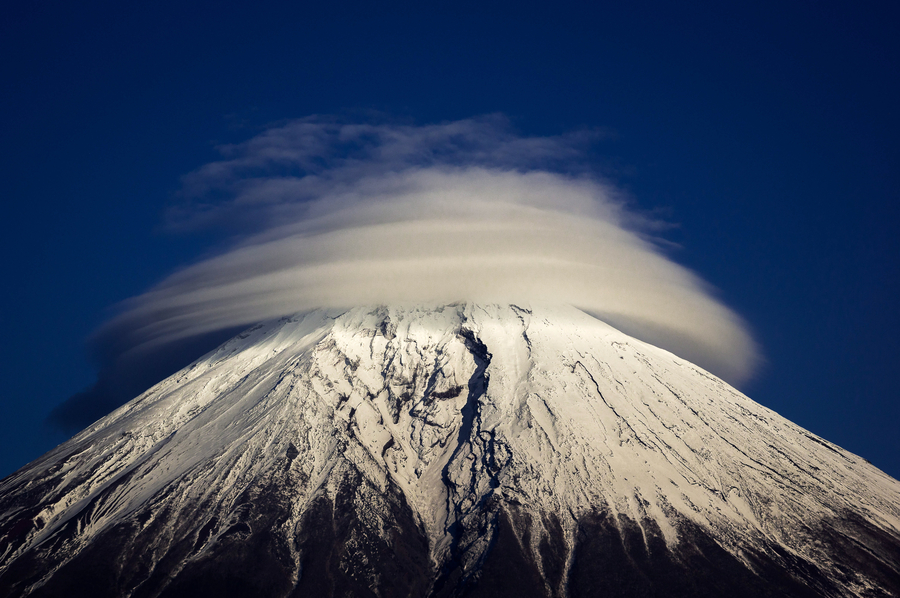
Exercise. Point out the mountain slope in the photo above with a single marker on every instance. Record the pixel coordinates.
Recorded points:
(458, 450)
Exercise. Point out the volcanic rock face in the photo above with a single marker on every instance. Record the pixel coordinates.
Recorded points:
(462, 450)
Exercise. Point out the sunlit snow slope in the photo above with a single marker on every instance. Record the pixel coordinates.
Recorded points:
(458, 450)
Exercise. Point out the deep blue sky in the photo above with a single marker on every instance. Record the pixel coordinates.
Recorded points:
(767, 130)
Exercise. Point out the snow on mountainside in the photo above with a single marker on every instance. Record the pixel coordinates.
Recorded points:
(457, 450)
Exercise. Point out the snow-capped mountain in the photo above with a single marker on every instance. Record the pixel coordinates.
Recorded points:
(462, 450)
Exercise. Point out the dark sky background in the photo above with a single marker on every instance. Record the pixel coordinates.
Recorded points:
(767, 130)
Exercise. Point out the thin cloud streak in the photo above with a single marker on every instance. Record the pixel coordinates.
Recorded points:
(345, 215)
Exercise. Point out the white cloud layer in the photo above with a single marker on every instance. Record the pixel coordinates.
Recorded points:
(338, 215)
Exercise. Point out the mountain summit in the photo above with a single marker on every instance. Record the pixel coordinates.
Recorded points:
(462, 450)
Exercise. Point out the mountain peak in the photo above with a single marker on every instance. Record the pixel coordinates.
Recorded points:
(447, 450)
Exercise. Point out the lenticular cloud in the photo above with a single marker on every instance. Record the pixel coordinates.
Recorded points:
(338, 215)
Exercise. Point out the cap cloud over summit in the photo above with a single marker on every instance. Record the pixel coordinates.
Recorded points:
(335, 214)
